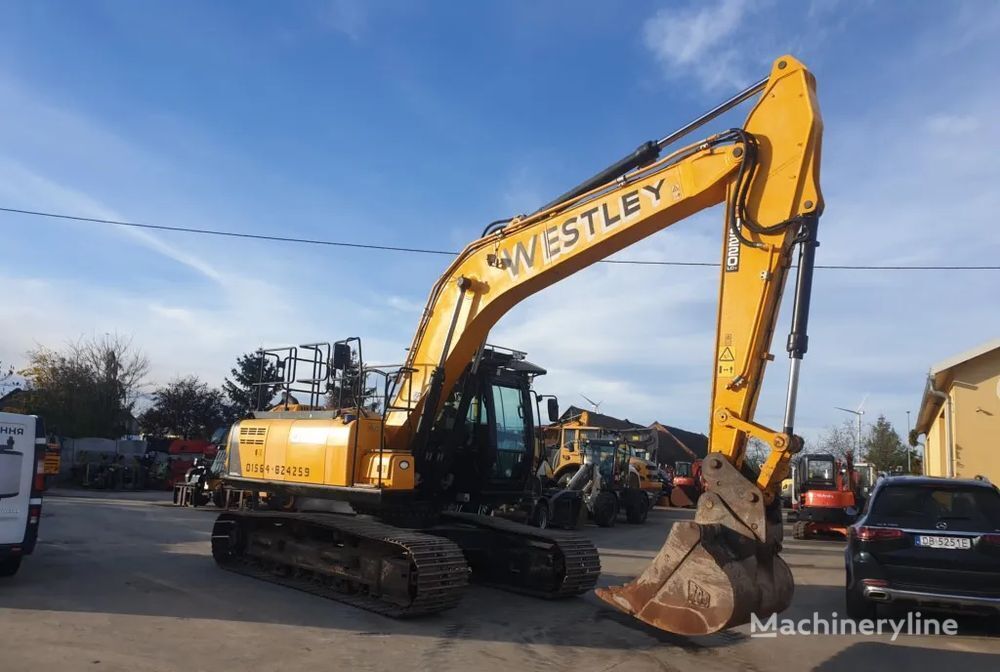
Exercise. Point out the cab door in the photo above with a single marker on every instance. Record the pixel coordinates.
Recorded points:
(510, 444)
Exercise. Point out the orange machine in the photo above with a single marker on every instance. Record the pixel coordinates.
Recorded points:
(828, 500)
(688, 484)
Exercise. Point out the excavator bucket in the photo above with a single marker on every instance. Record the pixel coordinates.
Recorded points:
(680, 499)
(716, 571)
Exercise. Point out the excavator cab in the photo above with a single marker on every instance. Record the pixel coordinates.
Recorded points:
(481, 447)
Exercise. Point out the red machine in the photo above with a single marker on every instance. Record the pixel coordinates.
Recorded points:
(827, 496)
(688, 484)
(182, 454)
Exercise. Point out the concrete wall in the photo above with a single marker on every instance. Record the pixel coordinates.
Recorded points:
(974, 391)
(72, 449)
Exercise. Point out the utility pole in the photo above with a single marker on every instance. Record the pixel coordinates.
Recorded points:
(908, 447)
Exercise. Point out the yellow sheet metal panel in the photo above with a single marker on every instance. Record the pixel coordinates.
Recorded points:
(325, 452)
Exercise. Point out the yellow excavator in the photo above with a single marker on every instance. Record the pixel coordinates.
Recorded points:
(454, 431)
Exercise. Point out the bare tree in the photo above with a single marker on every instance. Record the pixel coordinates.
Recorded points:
(838, 440)
(756, 453)
(114, 360)
(89, 389)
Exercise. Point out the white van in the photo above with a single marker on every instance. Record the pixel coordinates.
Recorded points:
(22, 448)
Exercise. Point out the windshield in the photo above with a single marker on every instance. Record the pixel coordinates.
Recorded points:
(219, 463)
(819, 470)
(219, 436)
(945, 507)
(682, 469)
(641, 453)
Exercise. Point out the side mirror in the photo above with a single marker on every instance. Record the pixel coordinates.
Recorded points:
(341, 356)
(553, 407)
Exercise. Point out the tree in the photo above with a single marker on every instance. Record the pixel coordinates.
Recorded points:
(883, 447)
(349, 390)
(186, 407)
(240, 387)
(6, 372)
(756, 453)
(89, 389)
(838, 440)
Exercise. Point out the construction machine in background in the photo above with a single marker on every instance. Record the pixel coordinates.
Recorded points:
(688, 484)
(865, 476)
(203, 482)
(561, 443)
(454, 431)
(607, 480)
(828, 496)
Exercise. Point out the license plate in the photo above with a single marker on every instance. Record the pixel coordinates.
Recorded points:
(944, 542)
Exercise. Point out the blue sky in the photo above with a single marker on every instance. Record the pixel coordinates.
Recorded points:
(414, 124)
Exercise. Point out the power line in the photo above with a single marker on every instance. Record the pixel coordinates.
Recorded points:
(419, 250)
(227, 234)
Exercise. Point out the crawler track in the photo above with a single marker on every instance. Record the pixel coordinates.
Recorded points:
(549, 564)
(387, 570)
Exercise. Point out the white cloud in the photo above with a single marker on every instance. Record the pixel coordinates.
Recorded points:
(697, 40)
(349, 17)
(952, 124)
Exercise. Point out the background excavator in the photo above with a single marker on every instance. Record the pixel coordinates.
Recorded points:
(454, 431)
(830, 494)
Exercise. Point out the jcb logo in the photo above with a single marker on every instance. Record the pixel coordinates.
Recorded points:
(698, 596)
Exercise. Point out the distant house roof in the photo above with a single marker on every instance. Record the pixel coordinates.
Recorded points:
(940, 376)
(597, 419)
(674, 444)
(10, 400)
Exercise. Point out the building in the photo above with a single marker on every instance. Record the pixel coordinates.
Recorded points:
(960, 415)
(667, 445)
(675, 445)
(594, 419)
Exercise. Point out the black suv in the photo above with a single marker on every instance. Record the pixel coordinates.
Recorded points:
(929, 542)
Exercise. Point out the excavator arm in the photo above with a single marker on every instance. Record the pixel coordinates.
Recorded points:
(766, 173)
(714, 572)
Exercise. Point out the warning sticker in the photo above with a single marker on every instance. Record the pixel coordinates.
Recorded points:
(727, 361)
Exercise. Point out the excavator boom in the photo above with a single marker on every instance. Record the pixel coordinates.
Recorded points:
(714, 572)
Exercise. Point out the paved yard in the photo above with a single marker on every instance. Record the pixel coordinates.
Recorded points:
(126, 582)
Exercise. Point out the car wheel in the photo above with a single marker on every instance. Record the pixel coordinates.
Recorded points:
(9, 566)
(800, 530)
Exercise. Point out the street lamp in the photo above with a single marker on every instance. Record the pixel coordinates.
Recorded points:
(858, 413)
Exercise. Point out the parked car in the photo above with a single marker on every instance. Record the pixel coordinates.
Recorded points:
(927, 542)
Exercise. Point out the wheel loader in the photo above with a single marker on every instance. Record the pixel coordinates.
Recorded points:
(561, 448)
(605, 478)
(453, 431)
